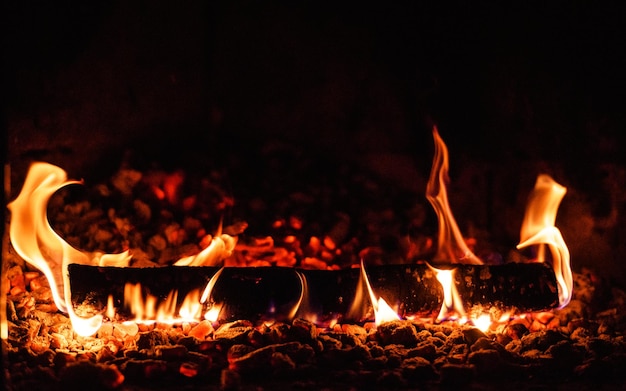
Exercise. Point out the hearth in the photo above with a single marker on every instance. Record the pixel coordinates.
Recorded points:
(226, 312)
(265, 178)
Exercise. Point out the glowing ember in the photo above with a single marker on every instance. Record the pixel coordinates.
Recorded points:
(539, 229)
(302, 304)
(451, 247)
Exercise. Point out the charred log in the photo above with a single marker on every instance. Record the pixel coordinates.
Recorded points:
(257, 293)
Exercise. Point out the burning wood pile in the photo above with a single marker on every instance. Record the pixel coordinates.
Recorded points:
(126, 287)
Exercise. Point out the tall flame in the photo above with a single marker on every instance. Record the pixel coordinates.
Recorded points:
(31, 234)
(538, 228)
(36, 242)
(451, 246)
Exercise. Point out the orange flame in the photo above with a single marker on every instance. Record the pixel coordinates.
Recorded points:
(538, 228)
(451, 246)
(220, 248)
(147, 309)
(302, 306)
(213, 313)
(382, 311)
(36, 242)
(452, 302)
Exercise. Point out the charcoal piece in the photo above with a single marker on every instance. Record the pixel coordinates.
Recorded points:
(272, 293)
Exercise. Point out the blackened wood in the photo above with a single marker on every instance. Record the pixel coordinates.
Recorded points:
(272, 292)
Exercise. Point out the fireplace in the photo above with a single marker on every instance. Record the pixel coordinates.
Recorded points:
(307, 135)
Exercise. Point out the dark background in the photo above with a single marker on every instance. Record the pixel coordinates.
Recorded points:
(515, 89)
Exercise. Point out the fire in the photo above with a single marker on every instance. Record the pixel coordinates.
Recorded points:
(38, 244)
(382, 311)
(148, 309)
(451, 246)
(452, 302)
(538, 228)
(213, 313)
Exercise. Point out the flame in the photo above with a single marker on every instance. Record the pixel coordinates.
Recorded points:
(452, 302)
(451, 246)
(119, 260)
(220, 248)
(148, 309)
(538, 228)
(382, 311)
(482, 322)
(213, 313)
(191, 309)
(110, 311)
(304, 296)
(38, 244)
(31, 232)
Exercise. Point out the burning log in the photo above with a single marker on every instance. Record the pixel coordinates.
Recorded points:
(276, 293)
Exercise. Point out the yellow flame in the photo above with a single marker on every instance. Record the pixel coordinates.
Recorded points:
(148, 309)
(191, 308)
(482, 322)
(213, 314)
(110, 311)
(382, 311)
(220, 248)
(210, 285)
(31, 233)
(304, 293)
(538, 228)
(451, 247)
(452, 302)
(118, 260)
(36, 242)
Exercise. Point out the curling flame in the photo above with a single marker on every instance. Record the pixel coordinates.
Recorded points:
(382, 311)
(538, 228)
(302, 303)
(36, 242)
(31, 234)
(213, 313)
(451, 246)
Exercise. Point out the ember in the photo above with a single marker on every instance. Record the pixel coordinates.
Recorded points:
(210, 319)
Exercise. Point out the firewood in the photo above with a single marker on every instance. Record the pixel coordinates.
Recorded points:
(270, 293)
